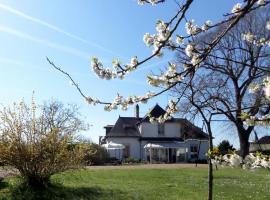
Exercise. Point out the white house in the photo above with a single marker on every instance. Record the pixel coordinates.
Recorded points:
(176, 140)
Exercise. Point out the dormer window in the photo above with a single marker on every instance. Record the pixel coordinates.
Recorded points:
(161, 129)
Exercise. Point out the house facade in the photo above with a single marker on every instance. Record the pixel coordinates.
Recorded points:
(262, 144)
(176, 140)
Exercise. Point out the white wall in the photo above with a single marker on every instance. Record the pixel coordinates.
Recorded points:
(259, 147)
(134, 145)
(143, 155)
(172, 130)
(151, 130)
(203, 147)
(137, 148)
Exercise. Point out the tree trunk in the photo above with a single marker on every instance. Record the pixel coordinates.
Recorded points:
(243, 139)
(210, 180)
(210, 167)
(37, 182)
(244, 145)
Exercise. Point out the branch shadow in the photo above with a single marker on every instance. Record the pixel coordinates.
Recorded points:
(57, 192)
(3, 184)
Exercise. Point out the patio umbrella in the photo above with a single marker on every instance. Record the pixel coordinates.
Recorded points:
(114, 146)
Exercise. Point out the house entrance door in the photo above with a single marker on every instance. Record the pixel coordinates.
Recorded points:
(172, 155)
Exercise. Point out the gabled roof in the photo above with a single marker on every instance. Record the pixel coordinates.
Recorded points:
(191, 131)
(125, 127)
(128, 126)
(156, 112)
(264, 140)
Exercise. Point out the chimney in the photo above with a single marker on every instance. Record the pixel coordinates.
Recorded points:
(137, 111)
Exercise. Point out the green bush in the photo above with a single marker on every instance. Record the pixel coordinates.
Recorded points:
(225, 147)
(95, 154)
(131, 160)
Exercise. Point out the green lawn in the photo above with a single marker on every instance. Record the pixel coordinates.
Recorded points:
(152, 184)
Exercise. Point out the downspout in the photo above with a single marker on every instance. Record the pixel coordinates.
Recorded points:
(198, 152)
(140, 149)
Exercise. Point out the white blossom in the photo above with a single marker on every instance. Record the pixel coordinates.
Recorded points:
(236, 8)
(206, 25)
(89, 100)
(261, 2)
(196, 60)
(251, 120)
(179, 39)
(161, 26)
(152, 120)
(148, 39)
(100, 71)
(116, 62)
(134, 61)
(150, 94)
(162, 36)
(124, 107)
(248, 37)
(141, 2)
(191, 28)
(267, 87)
(153, 2)
(254, 88)
(233, 160)
(189, 50)
(268, 25)
(265, 162)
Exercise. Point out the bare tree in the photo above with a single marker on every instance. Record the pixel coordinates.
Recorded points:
(195, 101)
(234, 67)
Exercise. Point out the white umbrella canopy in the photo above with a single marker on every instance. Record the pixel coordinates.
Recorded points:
(164, 145)
(113, 146)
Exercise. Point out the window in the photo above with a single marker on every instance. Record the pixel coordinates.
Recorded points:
(161, 129)
(194, 148)
(126, 151)
(194, 151)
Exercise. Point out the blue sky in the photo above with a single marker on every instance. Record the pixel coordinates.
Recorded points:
(70, 33)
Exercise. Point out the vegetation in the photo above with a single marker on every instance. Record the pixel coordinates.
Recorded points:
(225, 147)
(38, 143)
(223, 86)
(242, 69)
(131, 160)
(150, 184)
(95, 154)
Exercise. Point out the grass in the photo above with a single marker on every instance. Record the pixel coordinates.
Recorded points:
(150, 184)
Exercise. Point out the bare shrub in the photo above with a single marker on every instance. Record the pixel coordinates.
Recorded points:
(37, 141)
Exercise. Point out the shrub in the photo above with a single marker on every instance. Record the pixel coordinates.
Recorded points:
(37, 143)
(95, 154)
(131, 160)
(225, 147)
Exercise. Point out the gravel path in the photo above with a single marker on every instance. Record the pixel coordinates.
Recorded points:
(148, 166)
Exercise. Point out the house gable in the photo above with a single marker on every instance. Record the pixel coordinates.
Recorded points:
(125, 127)
(141, 127)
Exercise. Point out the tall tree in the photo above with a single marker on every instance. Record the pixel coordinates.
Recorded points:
(233, 68)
